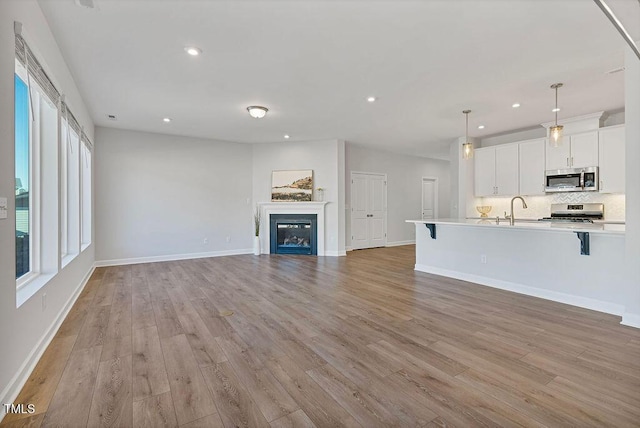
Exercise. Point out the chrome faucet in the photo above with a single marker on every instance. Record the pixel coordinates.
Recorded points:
(524, 205)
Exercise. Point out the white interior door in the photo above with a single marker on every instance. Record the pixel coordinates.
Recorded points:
(377, 210)
(368, 210)
(429, 197)
(359, 213)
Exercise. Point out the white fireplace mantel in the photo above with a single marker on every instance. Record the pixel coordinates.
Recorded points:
(268, 208)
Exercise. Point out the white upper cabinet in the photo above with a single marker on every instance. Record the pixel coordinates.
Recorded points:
(485, 171)
(507, 170)
(531, 159)
(576, 151)
(612, 160)
(496, 170)
(559, 157)
(584, 149)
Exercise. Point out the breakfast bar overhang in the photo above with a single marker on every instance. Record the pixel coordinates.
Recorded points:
(533, 258)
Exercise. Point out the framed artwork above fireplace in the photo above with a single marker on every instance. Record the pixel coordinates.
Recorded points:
(292, 186)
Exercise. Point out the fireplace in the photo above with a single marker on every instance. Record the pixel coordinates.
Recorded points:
(293, 234)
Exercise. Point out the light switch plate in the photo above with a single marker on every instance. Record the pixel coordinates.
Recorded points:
(3, 208)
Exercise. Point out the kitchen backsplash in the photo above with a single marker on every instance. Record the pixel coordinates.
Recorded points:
(540, 206)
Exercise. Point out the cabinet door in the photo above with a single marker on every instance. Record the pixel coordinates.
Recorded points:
(558, 157)
(531, 167)
(507, 169)
(611, 160)
(485, 171)
(584, 150)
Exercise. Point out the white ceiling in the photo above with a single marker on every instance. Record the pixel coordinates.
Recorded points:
(313, 63)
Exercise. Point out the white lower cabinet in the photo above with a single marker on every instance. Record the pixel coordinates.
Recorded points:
(496, 170)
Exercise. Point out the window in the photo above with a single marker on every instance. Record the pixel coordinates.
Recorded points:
(23, 178)
(53, 177)
(69, 193)
(86, 194)
(36, 163)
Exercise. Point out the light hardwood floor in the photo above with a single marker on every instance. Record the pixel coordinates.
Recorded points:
(298, 341)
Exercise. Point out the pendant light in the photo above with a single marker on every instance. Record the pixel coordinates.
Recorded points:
(555, 132)
(467, 146)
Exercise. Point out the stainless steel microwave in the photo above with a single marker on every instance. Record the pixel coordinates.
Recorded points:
(572, 180)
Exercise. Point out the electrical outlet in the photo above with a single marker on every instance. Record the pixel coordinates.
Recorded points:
(483, 259)
(228, 239)
(205, 241)
(44, 302)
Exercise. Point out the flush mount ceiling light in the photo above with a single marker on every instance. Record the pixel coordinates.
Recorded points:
(555, 132)
(371, 99)
(166, 120)
(515, 105)
(193, 51)
(467, 146)
(257, 112)
(287, 136)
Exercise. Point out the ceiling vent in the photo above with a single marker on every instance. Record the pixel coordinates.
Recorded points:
(112, 117)
(89, 4)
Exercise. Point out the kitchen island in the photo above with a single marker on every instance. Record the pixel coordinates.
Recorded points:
(578, 264)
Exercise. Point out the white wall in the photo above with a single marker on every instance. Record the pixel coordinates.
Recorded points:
(632, 131)
(324, 158)
(463, 202)
(404, 187)
(160, 196)
(25, 331)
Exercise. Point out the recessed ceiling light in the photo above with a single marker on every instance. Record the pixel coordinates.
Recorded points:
(193, 51)
(555, 110)
(287, 136)
(480, 126)
(257, 112)
(371, 99)
(515, 105)
(166, 120)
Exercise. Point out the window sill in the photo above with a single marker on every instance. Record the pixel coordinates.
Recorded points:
(85, 246)
(31, 286)
(68, 258)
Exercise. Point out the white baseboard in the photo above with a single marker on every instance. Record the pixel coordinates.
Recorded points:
(335, 253)
(171, 257)
(631, 320)
(569, 299)
(390, 244)
(401, 243)
(16, 384)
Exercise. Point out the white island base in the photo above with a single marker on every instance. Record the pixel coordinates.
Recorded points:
(535, 259)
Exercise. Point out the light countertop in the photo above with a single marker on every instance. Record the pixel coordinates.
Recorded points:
(530, 224)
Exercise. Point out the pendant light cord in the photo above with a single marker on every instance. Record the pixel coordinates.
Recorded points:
(556, 106)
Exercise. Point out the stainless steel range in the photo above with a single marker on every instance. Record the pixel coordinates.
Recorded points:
(575, 213)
